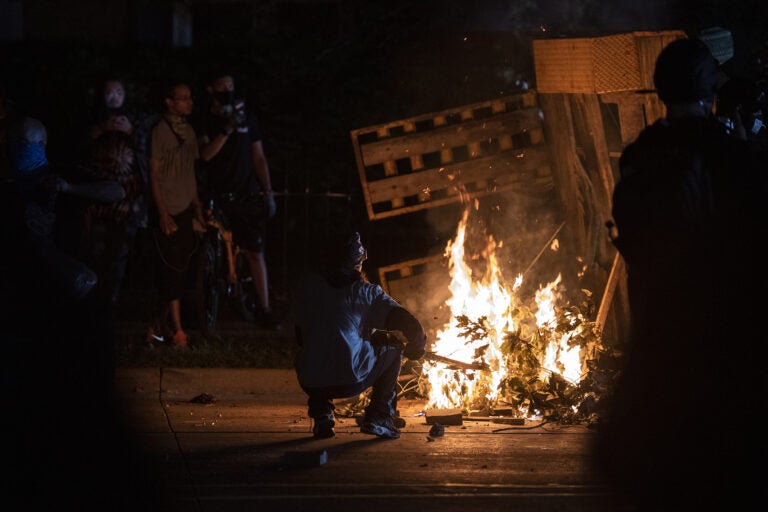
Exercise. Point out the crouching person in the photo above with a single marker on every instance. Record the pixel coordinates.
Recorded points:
(352, 337)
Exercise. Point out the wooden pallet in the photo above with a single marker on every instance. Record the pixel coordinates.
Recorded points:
(436, 159)
(619, 62)
(421, 286)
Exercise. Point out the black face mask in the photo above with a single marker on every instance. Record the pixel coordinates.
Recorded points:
(224, 97)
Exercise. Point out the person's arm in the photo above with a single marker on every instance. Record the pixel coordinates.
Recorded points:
(210, 147)
(261, 166)
(262, 173)
(400, 319)
(105, 191)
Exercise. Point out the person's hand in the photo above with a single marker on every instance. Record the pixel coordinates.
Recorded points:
(54, 183)
(119, 124)
(271, 205)
(229, 126)
(380, 337)
(739, 130)
(167, 224)
(199, 221)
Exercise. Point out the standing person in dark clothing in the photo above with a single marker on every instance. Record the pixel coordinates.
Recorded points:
(690, 209)
(352, 337)
(115, 114)
(172, 159)
(115, 149)
(58, 344)
(238, 178)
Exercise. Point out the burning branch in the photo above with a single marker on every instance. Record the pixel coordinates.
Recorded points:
(453, 364)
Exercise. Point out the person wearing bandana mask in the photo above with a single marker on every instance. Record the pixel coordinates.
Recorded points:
(238, 178)
(57, 336)
(33, 194)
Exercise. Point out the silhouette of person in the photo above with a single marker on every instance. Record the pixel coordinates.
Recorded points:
(58, 369)
(238, 177)
(689, 208)
(172, 160)
(352, 337)
(116, 148)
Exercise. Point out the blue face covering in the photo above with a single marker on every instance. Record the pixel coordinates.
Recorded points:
(25, 156)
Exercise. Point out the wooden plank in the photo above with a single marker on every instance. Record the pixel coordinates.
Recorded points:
(631, 108)
(421, 144)
(616, 275)
(617, 62)
(450, 136)
(590, 131)
(422, 286)
(518, 165)
(649, 45)
(563, 65)
(406, 269)
(654, 108)
(511, 103)
(566, 169)
(361, 174)
(534, 187)
(443, 416)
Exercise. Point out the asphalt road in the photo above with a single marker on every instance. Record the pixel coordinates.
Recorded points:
(250, 447)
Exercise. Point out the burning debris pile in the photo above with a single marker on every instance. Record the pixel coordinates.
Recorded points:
(535, 359)
(541, 358)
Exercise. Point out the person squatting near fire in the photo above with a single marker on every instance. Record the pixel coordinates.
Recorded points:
(352, 336)
(690, 212)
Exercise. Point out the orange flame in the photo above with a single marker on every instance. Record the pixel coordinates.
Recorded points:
(488, 297)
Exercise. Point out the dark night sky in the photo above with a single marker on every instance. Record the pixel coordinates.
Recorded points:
(316, 70)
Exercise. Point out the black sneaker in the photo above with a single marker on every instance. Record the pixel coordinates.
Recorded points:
(383, 427)
(323, 428)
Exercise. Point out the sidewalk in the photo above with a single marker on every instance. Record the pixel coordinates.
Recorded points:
(251, 448)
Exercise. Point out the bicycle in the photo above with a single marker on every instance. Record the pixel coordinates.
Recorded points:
(223, 273)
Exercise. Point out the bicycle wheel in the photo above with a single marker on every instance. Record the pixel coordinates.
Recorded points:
(210, 283)
(245, 301)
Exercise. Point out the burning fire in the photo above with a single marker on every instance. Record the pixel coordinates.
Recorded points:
(488, 300)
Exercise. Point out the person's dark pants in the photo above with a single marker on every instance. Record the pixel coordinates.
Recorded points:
(382, 380)
(175, 252)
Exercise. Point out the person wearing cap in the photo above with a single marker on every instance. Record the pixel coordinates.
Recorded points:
(689, 209)
(352, 337)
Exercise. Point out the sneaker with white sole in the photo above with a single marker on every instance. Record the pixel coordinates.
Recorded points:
(382, 427)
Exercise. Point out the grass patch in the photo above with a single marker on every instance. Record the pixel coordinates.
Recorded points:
(235, 346)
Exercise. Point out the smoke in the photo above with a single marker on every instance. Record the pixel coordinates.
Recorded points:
(555, 18)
